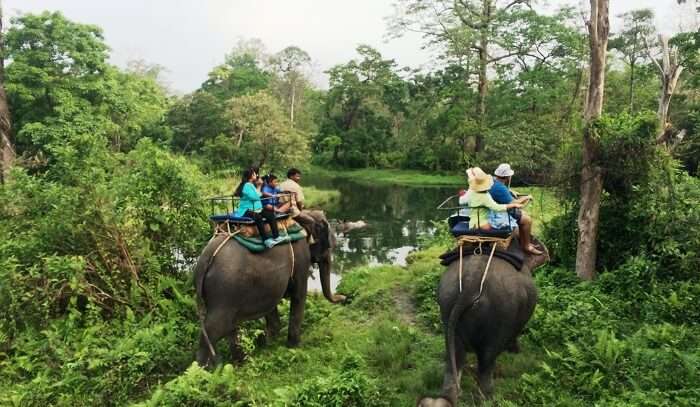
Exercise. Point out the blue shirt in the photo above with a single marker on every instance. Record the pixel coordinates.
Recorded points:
(250, 200)
(270, 190)
(500, 193)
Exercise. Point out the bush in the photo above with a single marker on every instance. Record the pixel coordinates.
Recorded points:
(197, 387)
(349, 387)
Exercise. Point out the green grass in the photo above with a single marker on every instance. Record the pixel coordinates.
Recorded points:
(400, 177)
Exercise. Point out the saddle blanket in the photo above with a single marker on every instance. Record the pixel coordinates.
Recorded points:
(514, 255)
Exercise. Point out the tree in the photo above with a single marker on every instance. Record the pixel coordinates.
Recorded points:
(261, 133)
(56, 74)
(591, 172)
(7, 150)
(631, 42)
(364, 109)
(670, 69)
(290, 63)
(482, 35)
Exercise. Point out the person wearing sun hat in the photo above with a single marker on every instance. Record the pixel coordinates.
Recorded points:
(501, 194)
(480, 201)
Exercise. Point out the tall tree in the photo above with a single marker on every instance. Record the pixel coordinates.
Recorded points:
(482, 34)
(591, 172)
(670, 68)
(7, 151)
(290, 63)
(631, 42)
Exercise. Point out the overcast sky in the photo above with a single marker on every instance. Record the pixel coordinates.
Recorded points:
(189, 37)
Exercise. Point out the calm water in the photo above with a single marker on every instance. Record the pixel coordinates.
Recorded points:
(397, 218)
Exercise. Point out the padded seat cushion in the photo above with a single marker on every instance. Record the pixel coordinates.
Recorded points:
(462, 229)
(231, 217)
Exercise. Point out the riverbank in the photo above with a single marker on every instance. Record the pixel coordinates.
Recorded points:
(398, 177)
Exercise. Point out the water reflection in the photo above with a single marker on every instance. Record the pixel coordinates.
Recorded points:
(397, 218)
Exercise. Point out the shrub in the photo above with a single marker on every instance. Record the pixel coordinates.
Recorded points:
(349, 387)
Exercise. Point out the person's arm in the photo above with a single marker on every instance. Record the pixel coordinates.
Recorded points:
(491, 204)
(249, 192)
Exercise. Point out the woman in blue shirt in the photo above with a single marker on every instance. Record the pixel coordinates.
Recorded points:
(250, 206)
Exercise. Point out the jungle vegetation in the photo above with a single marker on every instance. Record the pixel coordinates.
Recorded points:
(104, 171)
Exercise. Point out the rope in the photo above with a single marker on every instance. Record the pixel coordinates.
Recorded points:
(478, 251)
(486, 272)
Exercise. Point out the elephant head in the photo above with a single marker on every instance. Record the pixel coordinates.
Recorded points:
(433, 402)
(322, 252)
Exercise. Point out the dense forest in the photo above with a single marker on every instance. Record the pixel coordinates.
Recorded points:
(105, 171)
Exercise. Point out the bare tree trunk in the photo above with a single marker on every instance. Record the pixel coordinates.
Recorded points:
(632, 88)
(591, 173)
(669, 71)
(7, 151)
(291, 108)
(240, 138)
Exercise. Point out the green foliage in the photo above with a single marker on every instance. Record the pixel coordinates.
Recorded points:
(649, 205)
(604, 346)
(102, 237)
(348, 387)
(263, 134)
(66, 98)
(197, 387)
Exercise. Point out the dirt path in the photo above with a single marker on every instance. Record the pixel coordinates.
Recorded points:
(404, 305)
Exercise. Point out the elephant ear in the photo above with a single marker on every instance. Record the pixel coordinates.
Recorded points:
(324, 232)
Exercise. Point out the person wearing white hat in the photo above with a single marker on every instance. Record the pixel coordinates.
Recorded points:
(479, 200)
(503, 195)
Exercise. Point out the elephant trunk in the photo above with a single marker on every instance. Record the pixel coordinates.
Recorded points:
(325, 270)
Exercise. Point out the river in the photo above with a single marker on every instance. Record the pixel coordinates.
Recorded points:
(397, 218)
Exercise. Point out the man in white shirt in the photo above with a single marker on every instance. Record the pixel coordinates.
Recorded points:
(291, 185)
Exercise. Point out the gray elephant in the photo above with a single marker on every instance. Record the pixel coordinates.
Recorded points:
(237, 285)
(488, 326)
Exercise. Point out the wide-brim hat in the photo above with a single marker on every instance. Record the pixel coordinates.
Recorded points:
(479, 181)
(504, 171)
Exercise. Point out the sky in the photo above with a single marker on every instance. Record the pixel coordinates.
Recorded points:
(190, 37)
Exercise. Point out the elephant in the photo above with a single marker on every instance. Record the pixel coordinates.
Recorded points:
(237, 285)
(487, 324)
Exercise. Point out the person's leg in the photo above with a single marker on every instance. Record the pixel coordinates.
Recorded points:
(272, 221)
(257, 218)
(306, 221)
(525, 226)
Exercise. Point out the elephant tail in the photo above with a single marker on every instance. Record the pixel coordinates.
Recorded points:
(202, 269)
(463, 304)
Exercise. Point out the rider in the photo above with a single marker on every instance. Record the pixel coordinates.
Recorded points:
(503, 195)
(250, 206)
(270, 191)
(291, 185)
(480, 201)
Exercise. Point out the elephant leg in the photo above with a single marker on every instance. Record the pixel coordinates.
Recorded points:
(296, 311)
(272, 325)
(487, 363)
(449, 388)
(237, 353)
(217, 324)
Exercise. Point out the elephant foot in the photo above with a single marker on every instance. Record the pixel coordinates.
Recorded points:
(237, 357)
(293, 342)
(262, 339)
